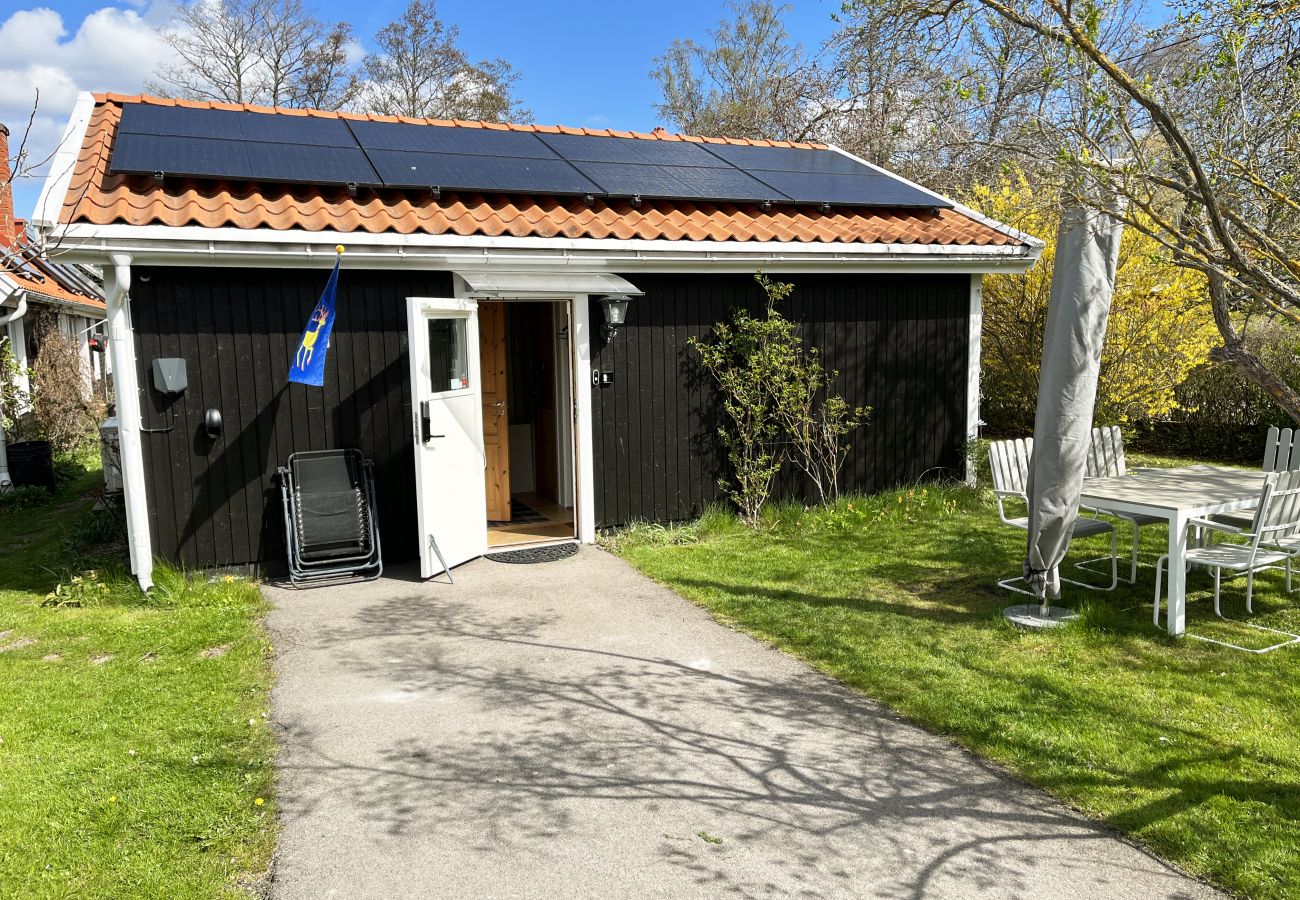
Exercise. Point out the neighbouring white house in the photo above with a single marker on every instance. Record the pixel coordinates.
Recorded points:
(32, 285)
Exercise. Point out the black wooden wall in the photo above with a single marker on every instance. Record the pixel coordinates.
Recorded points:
(216, 502)
(900, 343)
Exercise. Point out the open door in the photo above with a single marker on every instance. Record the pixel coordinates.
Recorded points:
(447, 418)
(496, 409)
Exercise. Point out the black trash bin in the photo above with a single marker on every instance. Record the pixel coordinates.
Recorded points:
(32, 463)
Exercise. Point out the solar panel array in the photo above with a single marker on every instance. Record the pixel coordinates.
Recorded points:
(248, 146)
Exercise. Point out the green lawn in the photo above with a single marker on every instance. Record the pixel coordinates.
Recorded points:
(1191, 749)
(135, 756)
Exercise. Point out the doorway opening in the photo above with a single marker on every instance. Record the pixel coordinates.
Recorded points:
(526, 363)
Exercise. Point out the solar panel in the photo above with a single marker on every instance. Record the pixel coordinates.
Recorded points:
(295, 130)
(457, 171)
(224, 124)
(178, 121)
(786, 159)
(434, 139)
(308, 164)
(250, 146)
(690, 182)
(180, 156)
(241, 160)
(579, 148)
(824, 176)
(849, 190)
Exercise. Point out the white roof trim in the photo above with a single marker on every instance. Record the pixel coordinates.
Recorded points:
(55, 190)
(495, 283)
(197, 245)
(978, 216)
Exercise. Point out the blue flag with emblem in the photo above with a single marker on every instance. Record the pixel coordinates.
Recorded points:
(309, 359)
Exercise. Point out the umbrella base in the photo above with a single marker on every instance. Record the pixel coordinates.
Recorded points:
(1031, 616)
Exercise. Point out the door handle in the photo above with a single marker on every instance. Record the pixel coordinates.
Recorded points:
(425, 426)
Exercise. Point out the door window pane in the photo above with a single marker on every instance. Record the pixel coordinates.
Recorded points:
(448, 357)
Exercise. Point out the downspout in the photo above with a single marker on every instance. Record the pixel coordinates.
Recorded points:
(5, 481)
(126, 390)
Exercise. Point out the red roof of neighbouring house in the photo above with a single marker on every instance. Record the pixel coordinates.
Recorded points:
(23, 264)
(97, 196)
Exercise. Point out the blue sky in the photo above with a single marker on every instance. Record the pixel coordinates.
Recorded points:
(582, 62)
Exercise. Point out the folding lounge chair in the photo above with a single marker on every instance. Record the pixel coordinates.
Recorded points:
(330, 521)
(1009, 461)
(1276, 519)
(1106, 460)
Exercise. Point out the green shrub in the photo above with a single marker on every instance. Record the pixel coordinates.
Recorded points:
(1221, 415)
(776, 403)
(25, 497)
(65, 412)
(100, 534)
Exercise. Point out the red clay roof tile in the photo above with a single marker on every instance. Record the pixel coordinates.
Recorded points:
(98, 197)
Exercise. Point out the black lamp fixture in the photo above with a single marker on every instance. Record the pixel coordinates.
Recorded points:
(615, 307)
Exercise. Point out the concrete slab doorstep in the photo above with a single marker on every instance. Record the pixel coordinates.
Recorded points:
(573, 730)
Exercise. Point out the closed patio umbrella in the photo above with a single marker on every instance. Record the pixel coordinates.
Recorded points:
(1083, 280)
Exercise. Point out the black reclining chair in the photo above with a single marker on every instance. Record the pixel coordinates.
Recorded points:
(330, 522)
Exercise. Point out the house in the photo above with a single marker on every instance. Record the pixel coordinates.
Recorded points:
(514, 309)
(35, 288)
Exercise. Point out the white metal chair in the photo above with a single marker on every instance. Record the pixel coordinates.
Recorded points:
(1281, 454)
(1276, 519)
(1106, 460)
(1009, 462)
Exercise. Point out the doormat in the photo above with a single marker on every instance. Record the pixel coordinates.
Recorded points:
(553, 553)
(521, 514)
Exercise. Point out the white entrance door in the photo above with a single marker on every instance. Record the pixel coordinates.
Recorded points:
(447, 418)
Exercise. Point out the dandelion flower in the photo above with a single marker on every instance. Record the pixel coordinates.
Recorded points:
(112, 799)
(258, 802)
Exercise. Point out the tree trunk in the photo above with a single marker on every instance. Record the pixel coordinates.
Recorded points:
(1235, 353)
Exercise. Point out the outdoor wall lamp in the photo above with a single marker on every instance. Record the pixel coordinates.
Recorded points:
(615, 307)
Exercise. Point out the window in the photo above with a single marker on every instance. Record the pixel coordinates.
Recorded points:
(448, 359)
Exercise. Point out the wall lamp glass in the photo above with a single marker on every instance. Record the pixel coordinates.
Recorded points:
(615, 307)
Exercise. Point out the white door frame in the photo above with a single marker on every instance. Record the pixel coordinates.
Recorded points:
(565, 397)
(584, 481)
(583, 455)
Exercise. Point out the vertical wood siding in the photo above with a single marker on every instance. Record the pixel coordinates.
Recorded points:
(217, 502)
(898, 341)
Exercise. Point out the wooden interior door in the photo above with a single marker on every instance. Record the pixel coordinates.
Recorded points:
(546, 464)
(496, 413)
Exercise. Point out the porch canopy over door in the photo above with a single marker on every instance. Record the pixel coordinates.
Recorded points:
(487, 285)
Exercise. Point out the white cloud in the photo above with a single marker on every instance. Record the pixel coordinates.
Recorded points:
(111, 49)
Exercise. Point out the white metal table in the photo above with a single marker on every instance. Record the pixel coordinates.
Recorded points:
(1178, 495)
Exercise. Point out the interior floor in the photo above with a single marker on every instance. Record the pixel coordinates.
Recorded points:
(556, 523)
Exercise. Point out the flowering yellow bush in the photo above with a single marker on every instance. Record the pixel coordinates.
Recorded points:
(1160, 323)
